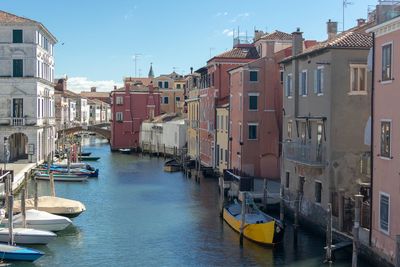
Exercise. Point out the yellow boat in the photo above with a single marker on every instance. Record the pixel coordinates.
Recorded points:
(259, 227)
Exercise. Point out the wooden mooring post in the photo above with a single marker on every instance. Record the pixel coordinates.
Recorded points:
(36, 200)
(243, 218)
(357, 213)
(23, 206)
(221, 196)
(265, 194)
(282, 204)
(397, 259)
(328, 248)
(52, 186)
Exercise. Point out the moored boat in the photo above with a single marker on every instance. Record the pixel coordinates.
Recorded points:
(259, 227)
(41, 220)
(85, 153)
(17, 253)
(27, 236)
(88, 158)
(61, 177)
(172, 166)
(125, 150)
(55, 205)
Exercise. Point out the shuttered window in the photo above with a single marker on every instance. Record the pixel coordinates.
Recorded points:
(17, 36)
(384, 212)
(387, 62)
(18, 66)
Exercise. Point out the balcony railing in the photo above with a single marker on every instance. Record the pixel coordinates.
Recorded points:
(307, 154)
(17, 121)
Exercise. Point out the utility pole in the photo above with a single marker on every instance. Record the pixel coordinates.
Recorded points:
(135, 59)
(345, 3)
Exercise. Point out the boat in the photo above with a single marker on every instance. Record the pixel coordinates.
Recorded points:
(88, 158)
(61, 177)
(40, 220)
(17, 253)
(27, 236)
(125, 150)
(172, 165)
(75, 171)
(72, 165)
(259, 227)
(85, 153)
(54, 205)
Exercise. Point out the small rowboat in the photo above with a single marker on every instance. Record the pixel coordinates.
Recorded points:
(16, 253)
(85, 153)
(72, 165)
(125, 150)
(27, 236)
(61, 177)
(88, 158)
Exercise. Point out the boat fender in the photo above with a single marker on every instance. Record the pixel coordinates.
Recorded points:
(278, 229)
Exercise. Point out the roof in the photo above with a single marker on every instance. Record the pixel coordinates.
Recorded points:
(138, 80)
(348, 39)
(243, 52)
(95, 94)
(8, 18)
(277, 35)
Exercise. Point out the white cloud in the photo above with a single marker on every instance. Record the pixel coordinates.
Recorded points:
(240, 16)
(221, 14)
(78, 84)
(227, 32)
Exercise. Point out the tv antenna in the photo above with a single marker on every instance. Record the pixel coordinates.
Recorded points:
(135, 58)
(345, 3)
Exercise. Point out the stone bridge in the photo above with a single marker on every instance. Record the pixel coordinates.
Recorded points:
(91, 128)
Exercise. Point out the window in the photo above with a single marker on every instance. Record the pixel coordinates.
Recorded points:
(287, 181)
(178, 86)
(226, 155)
(253, 76)
(119, 100)
(319, 80)
(17, 36)
(318, 191)
(384, 213)
(222, 155)
(18, 107)
(177, 98)
(281, 75)
(165, 100)
(358, 81)
(253, 131)
(217, 122)
(253, 102)
(387, 62)
(119, 116)
(166, 85)
(288, 86)
(226, 123)
(289, 129)
(385, 139)
(18, 66)
(160, 84)
(217, 154)
(303, 83)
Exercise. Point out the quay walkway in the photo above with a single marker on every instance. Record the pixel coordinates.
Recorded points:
(19, 168)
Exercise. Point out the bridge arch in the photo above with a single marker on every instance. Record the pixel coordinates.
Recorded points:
(92, 128)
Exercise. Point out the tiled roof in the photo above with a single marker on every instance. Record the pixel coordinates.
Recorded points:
(245, 52)
(348, 39)
(136, 80)
(277, 35)
(95, 94)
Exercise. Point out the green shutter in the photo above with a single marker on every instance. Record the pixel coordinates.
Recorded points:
(18, 67)
(17, 36)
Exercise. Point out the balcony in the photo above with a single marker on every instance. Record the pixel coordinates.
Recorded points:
(17, 121)
(305, 154)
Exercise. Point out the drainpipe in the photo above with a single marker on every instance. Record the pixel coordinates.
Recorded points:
(372, 134)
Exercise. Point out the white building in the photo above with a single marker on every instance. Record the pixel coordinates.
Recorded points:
(26, 95)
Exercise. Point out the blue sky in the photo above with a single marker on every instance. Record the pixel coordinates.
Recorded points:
(101, 37)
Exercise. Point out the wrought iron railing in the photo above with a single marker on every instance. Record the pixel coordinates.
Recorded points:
(308, 154)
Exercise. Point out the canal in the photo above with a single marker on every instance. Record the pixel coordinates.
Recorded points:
(138, 215)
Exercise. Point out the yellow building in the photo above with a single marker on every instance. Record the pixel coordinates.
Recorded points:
(192, 115)
(172, 89)
(222, 127)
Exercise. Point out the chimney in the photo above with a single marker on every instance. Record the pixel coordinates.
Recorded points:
(297, 47)
(93, 89)
(257, 35)
(191, 70)
(360, 22)
(151, 87)
(331, 29)
(115, 87)
(127, 88)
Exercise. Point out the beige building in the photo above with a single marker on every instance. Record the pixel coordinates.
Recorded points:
(172, 89)
(192, 102)
(222, 128)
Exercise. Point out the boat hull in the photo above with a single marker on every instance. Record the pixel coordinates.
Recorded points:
(268, 233)
(15, 253)
(28, 236)
(89, 158)
(62, 178)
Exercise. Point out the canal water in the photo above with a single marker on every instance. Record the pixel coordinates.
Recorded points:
(138, 215)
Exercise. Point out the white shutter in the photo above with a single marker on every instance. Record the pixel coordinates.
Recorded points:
(322, 80)
(285, 87)
(300, 83)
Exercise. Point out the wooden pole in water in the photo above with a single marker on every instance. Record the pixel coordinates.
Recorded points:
(23, 206)
(222, 195)
(36, 203)
(358, 199)
(265, 196)
(328, 248)
(52, 186)
(10, 200)
(243, 218)
(282, 204)
(165, 155)
(397, 259)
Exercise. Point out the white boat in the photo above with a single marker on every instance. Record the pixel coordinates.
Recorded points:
(27, 236)
(72, 165)
(62, 177)
(41, 220)
(55, 205)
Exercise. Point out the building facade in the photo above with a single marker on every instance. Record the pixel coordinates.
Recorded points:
(222, 128)
(385, 220)
(326, 108)
(192, 106)
(26, 102)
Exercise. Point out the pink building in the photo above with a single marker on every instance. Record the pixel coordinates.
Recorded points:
(386, 136)
(131, 105)
(256, 109)
(215, 85)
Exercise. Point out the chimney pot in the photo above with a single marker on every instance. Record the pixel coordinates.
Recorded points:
(297, 47)
(331, 28)
(360, 22)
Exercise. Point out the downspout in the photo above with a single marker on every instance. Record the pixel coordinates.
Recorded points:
(372, 135)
